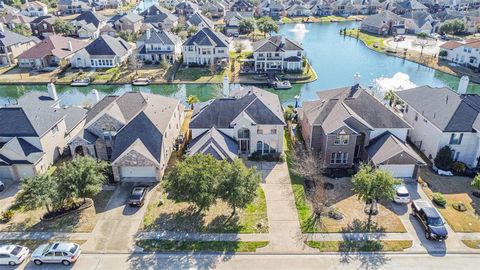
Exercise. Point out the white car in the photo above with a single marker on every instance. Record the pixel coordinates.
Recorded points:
(401, 194)
(13, 254)
(58, 252)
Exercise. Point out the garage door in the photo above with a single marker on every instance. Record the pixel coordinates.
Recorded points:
(137, 172)
(5, 172)
(400, 171)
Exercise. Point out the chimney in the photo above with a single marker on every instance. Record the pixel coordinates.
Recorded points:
(463, 85)
(149, 34)
(52, 91)
(356, 78)
(226, 86)
(70, 46)
(96, 96)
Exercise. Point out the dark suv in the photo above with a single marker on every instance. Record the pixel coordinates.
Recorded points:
(137, 197)
(430, 219)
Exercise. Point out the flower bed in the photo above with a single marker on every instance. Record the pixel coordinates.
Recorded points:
(75, 207)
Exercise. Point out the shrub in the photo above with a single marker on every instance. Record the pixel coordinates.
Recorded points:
(444, 159)
(7, 216)
(443, 53)
(335, 214)
(148, 62)
(459, 206)
(459, 167)
(439, 199)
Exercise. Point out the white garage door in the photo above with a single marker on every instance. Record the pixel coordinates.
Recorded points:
(137, 172)
(5, 172)
(400, 171)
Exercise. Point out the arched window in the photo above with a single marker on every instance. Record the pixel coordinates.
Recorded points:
(244, 133)
(259, 147)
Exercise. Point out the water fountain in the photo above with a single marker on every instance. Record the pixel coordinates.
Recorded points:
(399, 81)
(299, 28)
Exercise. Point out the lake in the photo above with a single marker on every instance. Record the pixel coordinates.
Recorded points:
(335, 58)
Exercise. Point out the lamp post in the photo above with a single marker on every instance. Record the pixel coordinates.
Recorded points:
(297, 97)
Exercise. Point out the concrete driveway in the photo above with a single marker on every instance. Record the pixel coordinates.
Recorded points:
(416, 231)
(118, 224)
(7, 196)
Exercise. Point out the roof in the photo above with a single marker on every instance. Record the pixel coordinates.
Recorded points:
(145, 118)
(378, 20)
(276, 43)
(350, 106)
(420, 17)
(449, 45)
(158, 13)
(132, 17)
(207, 37)
(55, 45)
(444, 108)
(19, 151)
(37, 4)
(108, 45)
(198, 20)
(386, 146)
(261, 106)
(160, 37)
(9, 38)
(90, 17)
(216, 143)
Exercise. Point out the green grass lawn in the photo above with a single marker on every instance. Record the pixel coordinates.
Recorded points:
(371, 41)
(475, 244)
(366, 246)
(198, 75)
(195, 246)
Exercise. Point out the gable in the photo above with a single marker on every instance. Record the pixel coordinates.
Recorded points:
(134, 158)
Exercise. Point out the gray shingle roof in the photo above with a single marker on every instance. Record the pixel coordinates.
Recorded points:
(90, 17)
(200, 21)
(222, 111)
(9, 38)
(378, 20)
(386, 146)
(157, 13)
(207, 37)
(446, 109)
(216, 143)
(160, 37)
(108, 45)
(19, 151)
(274, 43)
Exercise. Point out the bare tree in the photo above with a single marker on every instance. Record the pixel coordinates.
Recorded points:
(319, 198)
(306, 163)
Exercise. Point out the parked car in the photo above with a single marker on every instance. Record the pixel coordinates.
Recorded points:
(2, 186)
(13, 254)
(430, 219)
(58, 252)
(137, 198)
(401, 194)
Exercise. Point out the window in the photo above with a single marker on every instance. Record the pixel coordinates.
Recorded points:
(259, 146)
(109, 152)
(273, 131)
(456, 138)
(342, 139)
(259, 131)
(339, 158)
(244, 133)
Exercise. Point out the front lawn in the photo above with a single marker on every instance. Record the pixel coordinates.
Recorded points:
(183, 217)
(345, 201)
(195, 246)
(455, 189)
(365, 246)
(198, 75)
(371, 41)
(82, 221)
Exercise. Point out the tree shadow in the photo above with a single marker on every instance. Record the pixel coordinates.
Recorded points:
(178, 260)
(184, 220)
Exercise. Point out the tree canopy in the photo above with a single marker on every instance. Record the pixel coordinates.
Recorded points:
(476, 182)
(267, 25)
(247, 25)
(22, 29)
(37, 191)
(453, 27)
(63, 27)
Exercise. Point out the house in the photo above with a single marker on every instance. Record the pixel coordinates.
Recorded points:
(417, 22)
(440, 117)
(130, 22)
(50, 52)
(186, 9)
(242, 6)
(299, 10)
(349, 125)
(206, 47)
(249, 120)
(199, 21)
(104, 52)
(277, 53)
(216, 10)
(12, 45)
(43, 26)
(157, 45)
(159, 17)
(136, 132)
(402, 7)
(88, 24)
(34, 9)
(321, 8)
(65, 7)
(465, 52)
(34, 133)
(11, 20)
(383, 23)
(232, 22)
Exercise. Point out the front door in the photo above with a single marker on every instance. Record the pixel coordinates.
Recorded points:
(244, 146)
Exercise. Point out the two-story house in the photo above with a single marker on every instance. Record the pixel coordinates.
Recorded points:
(214, 9)
(34, 133)
(277, 53)
(104, 52)
(441, 116)
(159, 17)
(66, 7)
(43, 26)
(249, 120)
(34, 9)
(206, 47)
(349, 125)
(157, 45)
(136, 132)
(242, 6)
(131, 23)
(12, 45)
(464, 53)
(383, 23)
(186, 8)
(88, 24)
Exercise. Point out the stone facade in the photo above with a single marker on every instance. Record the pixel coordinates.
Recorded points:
(133, 158)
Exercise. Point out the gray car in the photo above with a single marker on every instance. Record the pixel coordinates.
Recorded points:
(58, 252)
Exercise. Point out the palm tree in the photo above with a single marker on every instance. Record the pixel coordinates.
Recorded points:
(192, 100)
